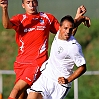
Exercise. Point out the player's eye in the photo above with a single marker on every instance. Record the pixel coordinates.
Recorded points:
(71, 29)
(28, 2)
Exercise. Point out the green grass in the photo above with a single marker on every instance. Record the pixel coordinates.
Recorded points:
(8, 83)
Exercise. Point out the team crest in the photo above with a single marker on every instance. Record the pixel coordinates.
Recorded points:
(60, 50)
(41, 22)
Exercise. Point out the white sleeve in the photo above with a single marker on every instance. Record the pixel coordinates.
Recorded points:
(77, 55)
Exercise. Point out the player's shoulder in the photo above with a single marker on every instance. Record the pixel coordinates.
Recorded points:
(74, 43)
(19, 16)
(73, 40)
(47, 14)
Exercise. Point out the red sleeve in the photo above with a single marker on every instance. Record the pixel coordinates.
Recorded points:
(54, 26)
(15, 21)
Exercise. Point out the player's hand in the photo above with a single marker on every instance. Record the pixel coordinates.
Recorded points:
(62, 80)
(4, 3)
(87, 22)
(80, 11)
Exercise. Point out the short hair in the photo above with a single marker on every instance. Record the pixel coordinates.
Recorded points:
(22, 1)
(68, 18)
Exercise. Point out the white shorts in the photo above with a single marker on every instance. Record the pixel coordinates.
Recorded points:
(49, 89)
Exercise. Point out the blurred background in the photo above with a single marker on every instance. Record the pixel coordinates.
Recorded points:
(88, 86)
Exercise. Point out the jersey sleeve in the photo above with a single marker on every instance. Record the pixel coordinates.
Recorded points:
(15, 21)
(54, 26)
(77, 55)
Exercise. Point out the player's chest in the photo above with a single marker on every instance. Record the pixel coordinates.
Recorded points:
(34, 24)
(60, 50)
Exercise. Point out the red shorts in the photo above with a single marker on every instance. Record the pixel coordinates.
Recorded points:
(28, 72)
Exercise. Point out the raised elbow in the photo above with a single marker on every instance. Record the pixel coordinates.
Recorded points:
(7, 24)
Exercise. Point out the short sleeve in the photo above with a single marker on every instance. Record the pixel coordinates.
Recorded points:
(77, 55)
(15, 21)
(54, 24)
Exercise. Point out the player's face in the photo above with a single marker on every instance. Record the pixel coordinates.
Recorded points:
(30, 6)
(65, 30)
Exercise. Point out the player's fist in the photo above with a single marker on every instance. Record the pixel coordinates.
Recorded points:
(80, 11)
(4, 3)
(62, 80)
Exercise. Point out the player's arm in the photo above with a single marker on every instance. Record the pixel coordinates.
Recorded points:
(5, 17)
(80, 11)
(78, 58)
(79, 71)
(79, 18)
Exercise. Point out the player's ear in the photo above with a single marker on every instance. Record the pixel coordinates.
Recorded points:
(23, 5)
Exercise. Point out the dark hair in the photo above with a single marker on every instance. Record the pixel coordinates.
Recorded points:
(68, 18)
(22, 1)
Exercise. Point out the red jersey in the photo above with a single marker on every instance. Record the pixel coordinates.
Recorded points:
(32, 33)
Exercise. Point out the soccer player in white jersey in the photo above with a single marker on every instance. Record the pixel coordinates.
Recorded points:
(57, 72)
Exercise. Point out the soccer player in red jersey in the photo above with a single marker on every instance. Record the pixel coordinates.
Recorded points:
(32, 33)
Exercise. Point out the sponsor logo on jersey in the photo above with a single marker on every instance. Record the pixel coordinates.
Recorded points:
(67, 57)
(29, 29)
(36, 28)
(40, 27)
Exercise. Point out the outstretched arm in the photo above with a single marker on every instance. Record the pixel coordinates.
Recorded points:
(5, 17)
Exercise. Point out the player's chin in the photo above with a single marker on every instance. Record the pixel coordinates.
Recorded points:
(32, 11)
(67, 37)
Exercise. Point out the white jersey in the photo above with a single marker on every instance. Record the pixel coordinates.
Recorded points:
(63, 55)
